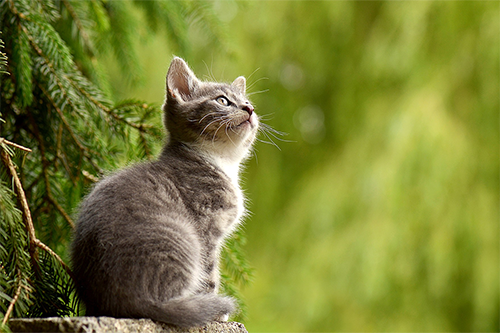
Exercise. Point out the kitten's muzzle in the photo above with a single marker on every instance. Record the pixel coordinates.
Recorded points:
(248, 108)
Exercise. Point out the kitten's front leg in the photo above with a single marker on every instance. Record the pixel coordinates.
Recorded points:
(213, 276)
(222, 317)
(214, 280)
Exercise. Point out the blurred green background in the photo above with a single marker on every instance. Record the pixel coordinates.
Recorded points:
(382, 212)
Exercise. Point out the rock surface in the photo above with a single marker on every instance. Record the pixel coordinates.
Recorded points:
(112, 325)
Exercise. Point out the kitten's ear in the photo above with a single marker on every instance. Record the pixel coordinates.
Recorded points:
(240, 83)
(181, 81)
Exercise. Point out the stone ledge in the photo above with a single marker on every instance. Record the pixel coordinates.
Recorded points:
(114, 325)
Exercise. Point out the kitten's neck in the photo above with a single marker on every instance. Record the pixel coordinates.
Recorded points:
(227, 161)
(229, 167)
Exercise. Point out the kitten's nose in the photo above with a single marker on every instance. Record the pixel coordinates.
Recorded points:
(248, 108)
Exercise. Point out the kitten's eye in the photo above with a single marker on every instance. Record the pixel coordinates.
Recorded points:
(222, 101)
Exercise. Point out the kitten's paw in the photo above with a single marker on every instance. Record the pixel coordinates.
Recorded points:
(224, 317)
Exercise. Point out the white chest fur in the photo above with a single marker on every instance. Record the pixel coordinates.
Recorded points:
(232, 171)
(227, 159)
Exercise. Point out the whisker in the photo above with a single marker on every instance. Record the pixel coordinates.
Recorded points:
(266, 117)
(255, 71)
(210, 75)
(210, 114)
(222, 74)
(280, 139)
(210, 123)
(222, 124)
(271, 142)
(250, 86)
(256, 158)
(229, 136)
(258, 92)
(271, 133)
(274, 133)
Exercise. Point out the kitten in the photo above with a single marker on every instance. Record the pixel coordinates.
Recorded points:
(148, 237)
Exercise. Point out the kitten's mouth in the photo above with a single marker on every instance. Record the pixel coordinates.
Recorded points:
(247, 121)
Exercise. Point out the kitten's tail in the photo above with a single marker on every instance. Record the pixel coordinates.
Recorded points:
(189, 311)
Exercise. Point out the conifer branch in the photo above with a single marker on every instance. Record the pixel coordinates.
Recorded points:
(7, 142)
(56, 256)
(48, 188)
(34, 242)
(15, 11)
(60, 209)
(89, 176)
(85, 150)
(14, 299)
(56, 105)
(147, 150)
(78, 23)
(34, 183)
(18, 187)
(140, 127)
(58, 145)
(61, 156)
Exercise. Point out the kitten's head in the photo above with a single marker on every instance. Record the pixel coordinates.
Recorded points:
(214, 116)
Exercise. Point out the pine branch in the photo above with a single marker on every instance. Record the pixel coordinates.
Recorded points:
(15, 145)
(14, 259)
(3, 58)
(60, 155)
(61, 210)
(78, 23)
(22, 200)
(34, 242)
(85, 150)
(14, 299)
(89, 176)
(145, 145)
(23, 70)
(141, 127)
(55, 104)
(123, 30)
(52, 290)
(45, 164)
(202, 14)
(56, 256)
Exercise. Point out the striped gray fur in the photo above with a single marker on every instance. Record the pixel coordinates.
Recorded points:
(148, 237)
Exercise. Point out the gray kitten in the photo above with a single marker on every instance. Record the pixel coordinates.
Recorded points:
(148, 238)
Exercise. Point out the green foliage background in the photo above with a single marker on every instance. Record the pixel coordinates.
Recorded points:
(382, 213)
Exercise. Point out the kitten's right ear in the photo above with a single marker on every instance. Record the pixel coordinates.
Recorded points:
(181, 81)
(241, 84)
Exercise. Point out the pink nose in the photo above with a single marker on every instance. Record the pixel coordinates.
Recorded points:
(248, 108)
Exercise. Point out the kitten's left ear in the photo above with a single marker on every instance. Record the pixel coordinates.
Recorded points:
(181, 81)
(240, 83)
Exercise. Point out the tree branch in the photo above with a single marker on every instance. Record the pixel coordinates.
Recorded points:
(14, 300)
(60, 209)
(34, 242)
(45, 172)
(7, 142)
(82, 148)
(55, 255)
(140, 127)
(78, 24)
(28, 222)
